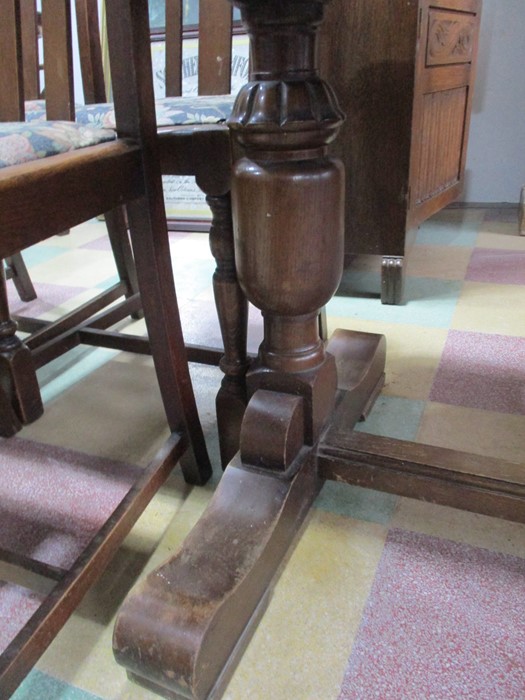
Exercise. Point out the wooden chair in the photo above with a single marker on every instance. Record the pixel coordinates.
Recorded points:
(194, 148)
(198, 148)
(80, 173)
(31, 27)
(59, 106)
(15, 266)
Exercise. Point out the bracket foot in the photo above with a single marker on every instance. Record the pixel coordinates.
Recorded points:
(392, 279)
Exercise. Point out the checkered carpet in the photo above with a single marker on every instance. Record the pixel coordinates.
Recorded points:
(383, 597)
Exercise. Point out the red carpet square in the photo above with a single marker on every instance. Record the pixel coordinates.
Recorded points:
(480, 370)
(444, 621)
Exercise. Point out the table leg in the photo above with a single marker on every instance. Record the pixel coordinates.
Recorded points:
(183, 629)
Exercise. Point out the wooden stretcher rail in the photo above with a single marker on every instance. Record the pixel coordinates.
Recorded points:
(435, 474)
(28, 645)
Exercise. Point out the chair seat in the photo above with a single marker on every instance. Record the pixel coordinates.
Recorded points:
(171, 111)
(21, 142)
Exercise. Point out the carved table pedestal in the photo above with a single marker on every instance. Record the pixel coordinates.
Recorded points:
(182, 629)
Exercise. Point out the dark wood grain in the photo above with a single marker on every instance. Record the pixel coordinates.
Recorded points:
(405, 137)
(64, 176)
(11, 67)
(58, 59)
(215, 52)
(29, 24)
(286, 194)
(173, 33)
(43, 197)
(202, 151)
(91, 65)
(28, 645)
(17, 271)
(434, 474)
(442, 107)
(182, 630)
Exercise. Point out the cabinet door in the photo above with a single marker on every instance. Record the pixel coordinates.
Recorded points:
(445, 66)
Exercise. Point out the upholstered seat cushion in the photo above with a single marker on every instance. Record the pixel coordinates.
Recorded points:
(171, 111)
(37, 138)
(21, 142)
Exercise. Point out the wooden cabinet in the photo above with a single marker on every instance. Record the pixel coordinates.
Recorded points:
(403, 71)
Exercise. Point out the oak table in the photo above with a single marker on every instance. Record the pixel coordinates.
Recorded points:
(182, 630)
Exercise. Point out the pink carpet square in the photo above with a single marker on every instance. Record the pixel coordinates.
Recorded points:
(53, 501)
(481, 370)
(17, 605)
(496, 266)
(49, 296)
(444, 621)
(101, 243)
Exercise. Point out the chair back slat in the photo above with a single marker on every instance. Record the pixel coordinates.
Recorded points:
(173, 48)
(58, 59)
(31, 63)
(91, 63)
(11, 69)
(215, 47)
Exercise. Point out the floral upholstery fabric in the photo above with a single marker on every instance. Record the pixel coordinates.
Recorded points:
(171, 111)
(37, 138)
(21, 142)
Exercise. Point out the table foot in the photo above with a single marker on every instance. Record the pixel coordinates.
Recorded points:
(360, 362)
(183, 629)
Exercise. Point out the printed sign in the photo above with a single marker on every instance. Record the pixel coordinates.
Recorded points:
(183, 199)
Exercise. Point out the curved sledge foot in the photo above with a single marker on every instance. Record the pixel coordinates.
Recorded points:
(360, 360)
(182, 631)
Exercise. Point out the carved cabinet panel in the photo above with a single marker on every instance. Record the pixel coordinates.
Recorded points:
(451, 37)
(403, 71)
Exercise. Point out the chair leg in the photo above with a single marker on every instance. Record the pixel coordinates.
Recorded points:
(232, 309)
(117, 227)
(17, 271)
(149, 238)
(20, 400)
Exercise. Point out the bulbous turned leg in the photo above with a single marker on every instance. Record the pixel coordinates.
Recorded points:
(289, 248)
(20, 400)
(232, 310)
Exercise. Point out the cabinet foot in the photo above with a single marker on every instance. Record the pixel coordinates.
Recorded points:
(392, 279)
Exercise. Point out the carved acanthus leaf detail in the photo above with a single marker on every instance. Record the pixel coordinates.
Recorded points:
(291, 108)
